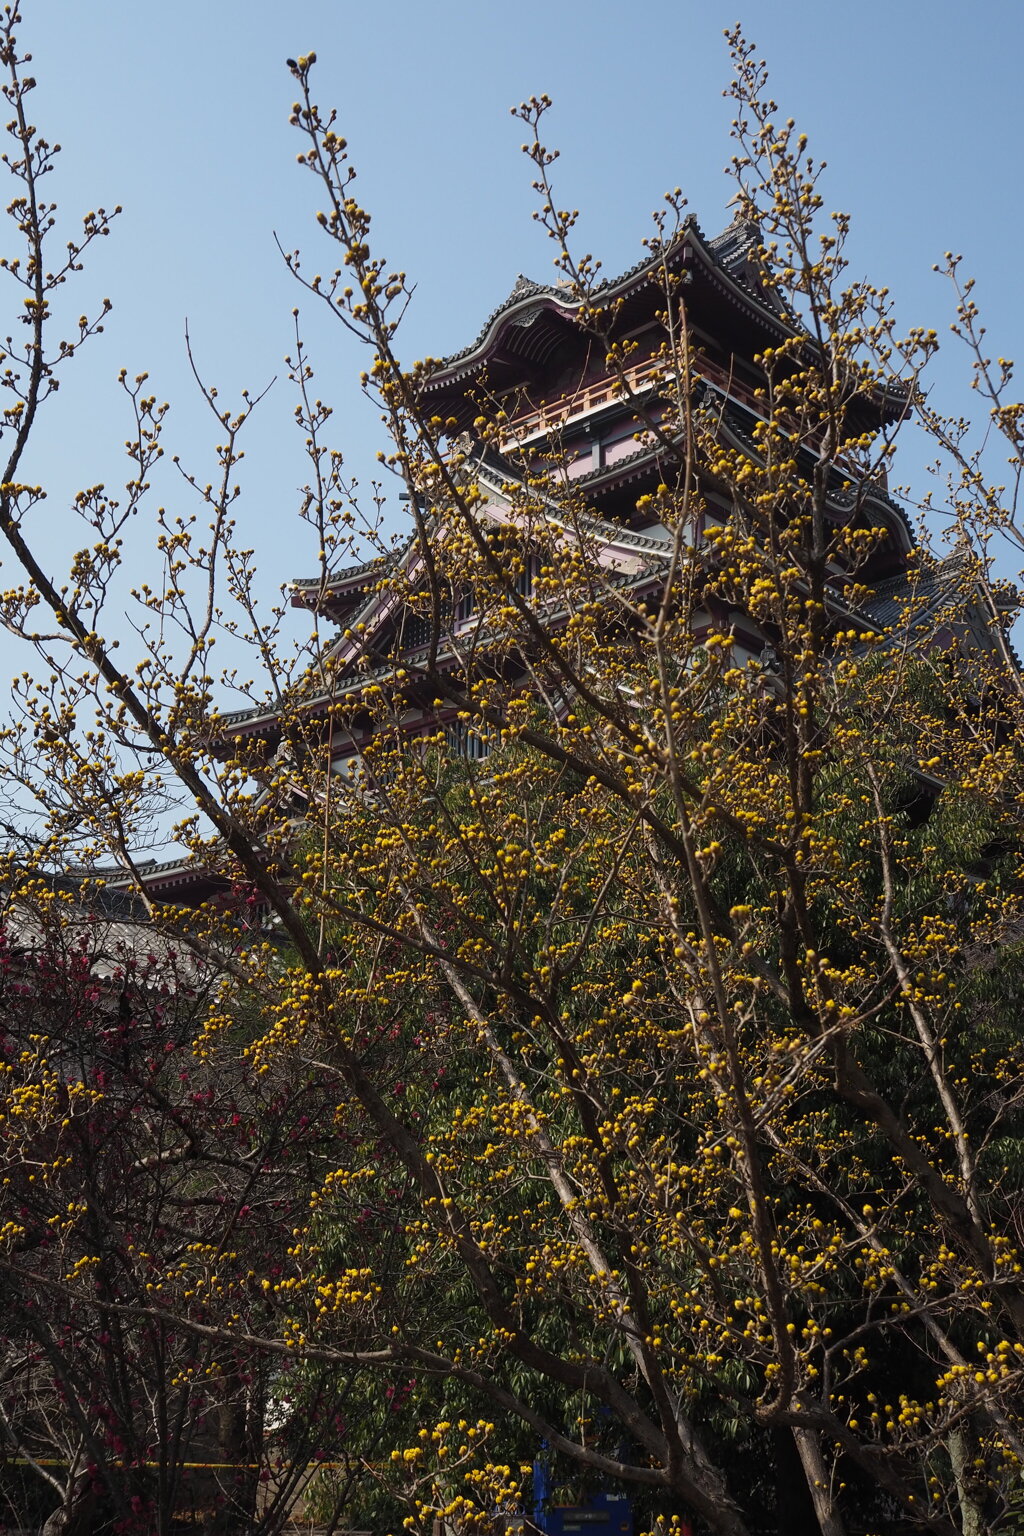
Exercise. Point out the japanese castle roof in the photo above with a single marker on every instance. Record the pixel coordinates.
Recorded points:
(918, 598)
(911, 607)
(727, 257)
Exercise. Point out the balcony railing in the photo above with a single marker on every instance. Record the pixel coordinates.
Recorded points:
(569, 408)
(591, 397)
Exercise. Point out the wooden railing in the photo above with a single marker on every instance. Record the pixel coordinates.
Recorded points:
(581, 402)
(727, 381)
(590, 397)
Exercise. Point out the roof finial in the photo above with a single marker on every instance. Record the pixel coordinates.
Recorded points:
(522, 286)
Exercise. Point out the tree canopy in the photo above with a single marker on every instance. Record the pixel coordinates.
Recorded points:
(625, 1047)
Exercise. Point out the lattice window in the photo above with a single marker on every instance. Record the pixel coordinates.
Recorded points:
(464, 741)
(527, 575)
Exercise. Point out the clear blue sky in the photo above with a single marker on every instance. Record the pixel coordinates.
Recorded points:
(179, 112)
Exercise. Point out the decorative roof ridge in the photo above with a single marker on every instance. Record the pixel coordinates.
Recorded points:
(837, 497)
(162, 866)
(527, 286)
(609, 471)
(494, 463)
(112, 875)
(727, 260)
(733, 248)
(525, 290)
(347, 573)
(927, 567)
(935, 577)
(234, 716)
(740, 230)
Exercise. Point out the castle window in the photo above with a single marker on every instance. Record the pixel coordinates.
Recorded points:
(525, 577)
(464, 741)
(417, 629)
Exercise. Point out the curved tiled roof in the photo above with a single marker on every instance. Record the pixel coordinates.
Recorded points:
(496, 472)
(837, 496)
(347, 573)
(726, 259)
(610, 471)
(524, 295)
(156, 872)
(913, 596)
(234, 716)
(727, 253)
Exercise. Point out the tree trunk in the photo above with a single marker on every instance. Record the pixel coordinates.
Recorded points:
(76, 1516)
(238, 1438)
(819, 1484)
(971, 1517)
